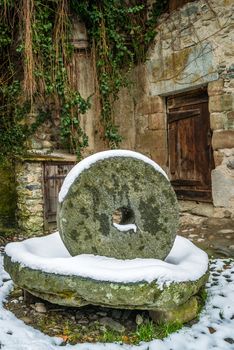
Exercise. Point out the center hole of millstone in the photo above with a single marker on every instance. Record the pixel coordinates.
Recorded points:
(124, 219)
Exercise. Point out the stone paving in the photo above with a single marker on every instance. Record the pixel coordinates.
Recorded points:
(215, 236)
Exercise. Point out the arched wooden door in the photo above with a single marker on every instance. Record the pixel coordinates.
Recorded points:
(189, 143)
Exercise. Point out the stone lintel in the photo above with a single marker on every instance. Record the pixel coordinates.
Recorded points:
(53, 157)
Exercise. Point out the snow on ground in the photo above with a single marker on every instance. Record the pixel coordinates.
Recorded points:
(214, 331)
(87, 162)
(185, 262)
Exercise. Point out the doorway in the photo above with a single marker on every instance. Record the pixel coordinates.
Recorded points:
(189, 145)
(54, 175)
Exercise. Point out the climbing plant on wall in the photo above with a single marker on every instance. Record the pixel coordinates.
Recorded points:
(120, 33)
(35, 85)
(35, 50)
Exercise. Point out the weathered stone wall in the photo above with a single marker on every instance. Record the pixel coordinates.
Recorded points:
(221, 106)
(45, 145)
(193, 47)
(29, 176)
(82, 76)
(142, 119)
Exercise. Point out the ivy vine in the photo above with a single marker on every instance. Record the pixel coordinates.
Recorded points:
(121, 33)
(35, 50)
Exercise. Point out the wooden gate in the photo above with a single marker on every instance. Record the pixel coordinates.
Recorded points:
(54, 174)
(189, 141)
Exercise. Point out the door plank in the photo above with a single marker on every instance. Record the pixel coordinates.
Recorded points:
(178, 115)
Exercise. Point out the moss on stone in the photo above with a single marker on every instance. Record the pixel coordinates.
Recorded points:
(8, 196)
(106, 186)
(182, 313)
(79, 291)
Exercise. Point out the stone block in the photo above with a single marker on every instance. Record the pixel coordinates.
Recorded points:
(218, 158)
(203, 209)
(220, 103)
(159, 155)
(141, 123)
(36, 144)
(197, 208)
(230, 163)
(190, 219)
(157, 104)
(186, 206)
(223, 139)
(47, 144)
(215, 87)
(222, 186)
(149, 105)
(182, 313)
(221, 213)
(218, 121)
(152, 139)
(157, 121)
(230, 120)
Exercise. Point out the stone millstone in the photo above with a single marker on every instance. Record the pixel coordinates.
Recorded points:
(85, 217)
(167, 302)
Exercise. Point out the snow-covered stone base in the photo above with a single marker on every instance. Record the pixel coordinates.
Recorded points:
(44, 267)
(213, 331)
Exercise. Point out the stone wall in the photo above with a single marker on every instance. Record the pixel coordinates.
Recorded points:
(30, 212)
(221, 106)
(142, 119)
(193, 47)
(47, 137)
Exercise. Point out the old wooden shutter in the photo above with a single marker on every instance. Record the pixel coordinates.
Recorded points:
(189, 140)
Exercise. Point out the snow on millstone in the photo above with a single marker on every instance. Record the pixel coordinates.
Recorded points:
(123, 181)
(185, 262)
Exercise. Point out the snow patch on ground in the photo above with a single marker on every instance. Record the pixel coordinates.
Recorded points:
(218, 314)
(185, 262)
(87, 162)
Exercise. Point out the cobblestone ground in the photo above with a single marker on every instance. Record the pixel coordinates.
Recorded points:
(215, 236)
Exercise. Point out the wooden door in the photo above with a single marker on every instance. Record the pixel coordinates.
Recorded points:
(189, 141)
(54, 174)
